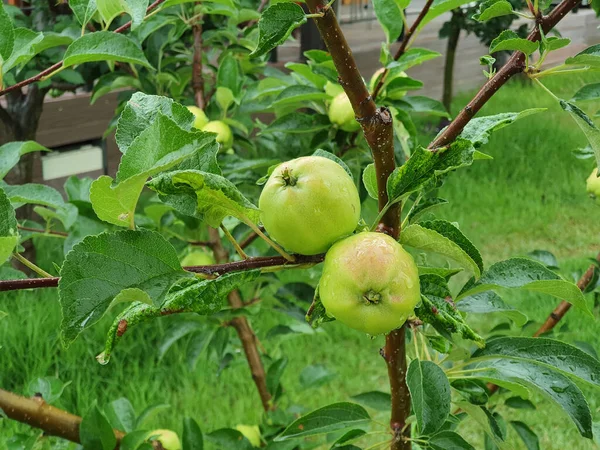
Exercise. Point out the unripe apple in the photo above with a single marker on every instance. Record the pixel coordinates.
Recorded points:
(342, 114)
(250, 432)
(370, 283)
(374, 77)
(201, 118)
(197, 258)
(393, 96)
(333, 89)
(167, 438)
(309, 203)
(224, 134)
(593, 183)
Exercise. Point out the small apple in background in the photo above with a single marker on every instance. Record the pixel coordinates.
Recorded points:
(201, 119)
(593, 183)
(224, 134)
(167, 438)
(341, 113)
(396, 95)
(197, 258)
(369, 283)
(309, 203)
(250, 432)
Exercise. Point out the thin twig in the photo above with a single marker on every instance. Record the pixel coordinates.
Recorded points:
(40, 230)
(59, 64)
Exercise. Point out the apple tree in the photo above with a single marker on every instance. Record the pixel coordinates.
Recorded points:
(313, 196)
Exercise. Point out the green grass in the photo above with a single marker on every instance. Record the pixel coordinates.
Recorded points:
(531, 196)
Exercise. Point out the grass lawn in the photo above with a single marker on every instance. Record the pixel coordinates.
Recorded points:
(531, 196)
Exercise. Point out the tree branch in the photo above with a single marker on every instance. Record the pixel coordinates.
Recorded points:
(214, 269)
(39, 230)
(563, 307)
(403, 45)
(36, 413)
(59, 64)
(375, 122)
(515, 64)
(243, 328)
(197, 78)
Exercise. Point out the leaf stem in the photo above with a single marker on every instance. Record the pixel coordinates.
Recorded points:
(412, 207)
(31, 265)
(546, 89)
(235, 244)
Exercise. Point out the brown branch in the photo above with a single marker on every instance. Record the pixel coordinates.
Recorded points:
(563, 307)
(394, 354)
(375, 122)
(197, 78)
(40, 230)
(214, 269)
(59, 64)
(403, 45)
(36, 413)
(515, 65)
(243, 329)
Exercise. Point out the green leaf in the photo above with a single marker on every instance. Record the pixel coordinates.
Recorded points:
(437, 309)
(449, 440)
(296, 123)
(104, 46)
(424, 105)
(337, 416)
(95, 431)
(369, 178)
(142, 110)
(490, 302)
(191, 438)
(442, 237)
(316, 314)
(121, 414)
(478, 130)
(442, 272)
(526, 274)
(412, 57)
(587, 92)
(425, 206)
(206, 196)
(111, 82)
(430, 395)
(274, 374)
(188, 295)
(425, 165)
(137, 10)
(519, 403)
(515, 375)
(334, 158)
(528, 437)
(403, 84)
(276, 24)
(23, 49)
(508, 40)
(440, 7)
(589, 128)
(549, 352)
(159, 147)
(315, 375)
(11, 152)
(389, 15)
(344, 442)
(380, 401)
(50, 388)
(589, 57)
(554, 43)
(475, 391)
(39, 194)
(492, 8)
(135, 265)
(298, 93)
(7, 34)
(83, 10)
(9, 236)
(230, 75)
(545, 257)
(109, 9)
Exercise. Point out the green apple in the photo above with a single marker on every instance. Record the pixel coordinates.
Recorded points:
(333, 89)
(167, 438)
(224, 134)
(197, 258)
(309, 203)
(374, 77)
(370, 283)
(250, 432)
(341, 113)
(201, 118)
(397, 94)
(593, 183)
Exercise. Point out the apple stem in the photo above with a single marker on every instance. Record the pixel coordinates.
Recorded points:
(262, 235)
(235, 244)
